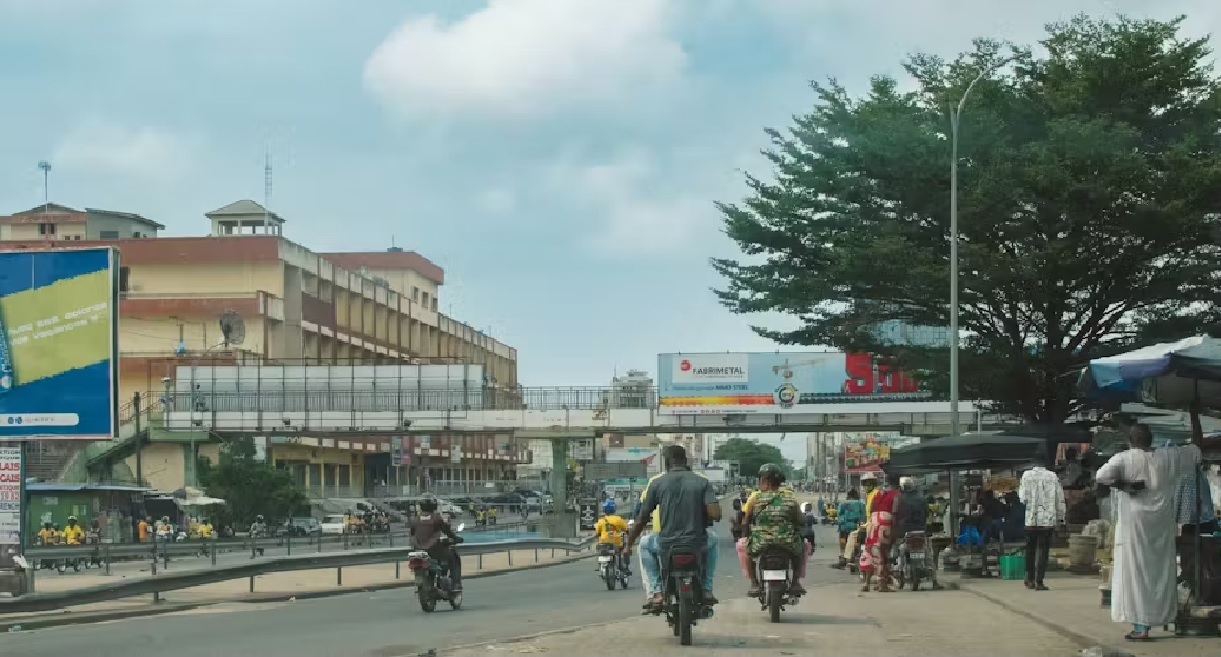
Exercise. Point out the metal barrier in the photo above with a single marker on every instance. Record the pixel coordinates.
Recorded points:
(158, 584)
(159, 553)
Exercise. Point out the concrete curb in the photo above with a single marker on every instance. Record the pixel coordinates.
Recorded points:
(59, 619)
(1082, 640)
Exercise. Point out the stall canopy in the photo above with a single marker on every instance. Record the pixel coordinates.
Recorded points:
(1162, 373)
(986, 450)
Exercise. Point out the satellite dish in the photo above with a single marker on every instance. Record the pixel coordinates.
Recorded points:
(232, 328)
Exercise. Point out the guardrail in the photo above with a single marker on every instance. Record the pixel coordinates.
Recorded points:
(158, 584)
(161, 552)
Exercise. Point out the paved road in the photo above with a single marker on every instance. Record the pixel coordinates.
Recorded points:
(382, 624)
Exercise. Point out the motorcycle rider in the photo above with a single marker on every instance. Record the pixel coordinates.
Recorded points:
(774, 520)
(610, 530)
(258, 529)
(870, 483)
(73, 533)
(690, 505)
(911, 515)
(427, 528)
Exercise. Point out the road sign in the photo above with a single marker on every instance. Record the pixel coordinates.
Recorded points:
(588, 512)
(624, 469)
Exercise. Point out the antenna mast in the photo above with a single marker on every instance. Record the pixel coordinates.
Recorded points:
(267, 187)
(45, 167)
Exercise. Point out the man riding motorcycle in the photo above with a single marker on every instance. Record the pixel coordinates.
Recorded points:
(73, 533)
(427, 528)
(680, 505)
(774, 520)
(611, 530)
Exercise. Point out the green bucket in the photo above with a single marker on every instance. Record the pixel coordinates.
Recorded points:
(1013, 566)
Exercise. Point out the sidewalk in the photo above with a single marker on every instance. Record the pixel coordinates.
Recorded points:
(277, 586)
(1073, 608)
(835, 619)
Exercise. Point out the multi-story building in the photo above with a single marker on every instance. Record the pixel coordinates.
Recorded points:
(290, 305)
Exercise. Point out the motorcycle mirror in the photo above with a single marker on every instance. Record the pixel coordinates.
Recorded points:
(462, 526)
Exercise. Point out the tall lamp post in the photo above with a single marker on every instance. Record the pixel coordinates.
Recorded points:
(955, 120)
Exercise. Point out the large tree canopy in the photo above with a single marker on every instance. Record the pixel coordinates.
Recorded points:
(249, 486)
(1089, 192)
(750, 455)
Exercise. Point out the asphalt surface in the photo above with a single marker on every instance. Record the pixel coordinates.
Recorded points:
(387, 623)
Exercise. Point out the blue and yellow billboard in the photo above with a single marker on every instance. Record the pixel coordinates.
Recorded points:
(58, 345)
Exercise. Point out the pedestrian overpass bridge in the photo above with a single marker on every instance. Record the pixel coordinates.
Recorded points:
(426, 399)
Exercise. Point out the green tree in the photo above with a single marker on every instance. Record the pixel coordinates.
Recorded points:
(750, 455)
(249, 487)
(1088, 214)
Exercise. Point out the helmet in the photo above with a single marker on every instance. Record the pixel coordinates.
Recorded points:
(428, 504)
(771, 472)
(71, 518)
(608, 507)
(259, 517)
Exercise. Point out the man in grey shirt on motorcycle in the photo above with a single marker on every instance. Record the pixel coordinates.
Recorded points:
(686, 505)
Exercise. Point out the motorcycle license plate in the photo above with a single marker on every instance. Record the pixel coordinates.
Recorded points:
(775, 575)
(605, 559)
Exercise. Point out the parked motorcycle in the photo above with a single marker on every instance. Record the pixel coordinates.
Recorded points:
(914, 563)
(683, 600)
(432, 581)
(774, 568)
(610, 566)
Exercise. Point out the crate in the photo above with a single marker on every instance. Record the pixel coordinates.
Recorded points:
(1013, 566)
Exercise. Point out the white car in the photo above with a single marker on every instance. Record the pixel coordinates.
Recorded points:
(333, 525)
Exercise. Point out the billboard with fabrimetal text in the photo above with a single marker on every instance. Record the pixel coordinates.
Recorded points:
(58, 322)
(717, 383)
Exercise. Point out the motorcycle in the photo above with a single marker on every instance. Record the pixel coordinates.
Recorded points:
(913, 561)
(683, 599)
(432, 581)
(774, 569)
(610, 566)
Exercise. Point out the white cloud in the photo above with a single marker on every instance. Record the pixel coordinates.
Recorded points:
(527, 57)
(632, 208)
(140, 152)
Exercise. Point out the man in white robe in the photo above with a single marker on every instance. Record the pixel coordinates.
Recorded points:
(1143, 590)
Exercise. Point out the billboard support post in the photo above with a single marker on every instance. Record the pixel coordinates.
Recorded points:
(137, 438)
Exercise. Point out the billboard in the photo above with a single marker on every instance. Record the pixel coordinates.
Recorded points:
(12, 494)
(58, 322)
(867, 455)
(769, 382)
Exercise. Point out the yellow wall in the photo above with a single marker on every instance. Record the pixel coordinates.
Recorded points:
(403, 280)
(186, 279)
(164, 465)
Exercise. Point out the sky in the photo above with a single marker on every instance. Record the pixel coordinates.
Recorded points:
(558, 158)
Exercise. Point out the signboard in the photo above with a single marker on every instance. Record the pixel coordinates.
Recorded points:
(12, 484)
(866, 456)
(581, 449)
(621, 470)
(58, 319)
(693, 384)
(587, 514)
(396, 450)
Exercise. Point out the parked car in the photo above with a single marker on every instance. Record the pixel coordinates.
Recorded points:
(333, 525)
(303, 527)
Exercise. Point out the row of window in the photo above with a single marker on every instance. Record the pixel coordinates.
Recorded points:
(50, 229)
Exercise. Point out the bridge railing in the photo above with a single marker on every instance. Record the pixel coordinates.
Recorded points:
(475, 398)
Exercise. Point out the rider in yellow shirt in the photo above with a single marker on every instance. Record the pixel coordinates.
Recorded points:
(73, 533)
(611, 529)
(48, 535)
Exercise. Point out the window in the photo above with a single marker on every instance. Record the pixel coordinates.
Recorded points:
(46, 229)
(415, 294)
(108, 234)
(425, 299)
(434, 303)
(137, 235)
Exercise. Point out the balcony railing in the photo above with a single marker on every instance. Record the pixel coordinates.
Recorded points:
(473, 398)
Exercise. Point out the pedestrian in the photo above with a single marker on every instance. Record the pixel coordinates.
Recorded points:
(1043, 495)
(1143, 589)
(879, 536)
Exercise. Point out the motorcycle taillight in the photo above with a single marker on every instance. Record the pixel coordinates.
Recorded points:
(417, 564)
(915, 544)
(684, 560)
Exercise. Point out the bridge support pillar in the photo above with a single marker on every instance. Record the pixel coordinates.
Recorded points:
(562, 522)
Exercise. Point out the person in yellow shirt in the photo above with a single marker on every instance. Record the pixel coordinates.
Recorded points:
(74, 534)
(47, 535)
(611, 529)
(870, 483)
(205, 528)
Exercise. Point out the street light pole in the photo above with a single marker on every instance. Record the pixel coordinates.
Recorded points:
(955, 119)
